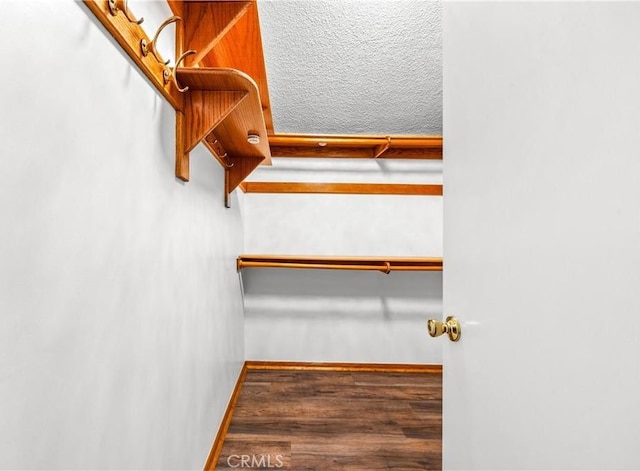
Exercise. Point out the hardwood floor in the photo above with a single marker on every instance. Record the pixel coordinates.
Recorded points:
(335, 420)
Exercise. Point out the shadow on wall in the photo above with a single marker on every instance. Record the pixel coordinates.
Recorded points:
(366, 295)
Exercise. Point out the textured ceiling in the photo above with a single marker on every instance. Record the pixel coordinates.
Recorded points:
(353, 66)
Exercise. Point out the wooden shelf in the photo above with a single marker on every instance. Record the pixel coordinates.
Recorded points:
(216, 98)
(383, 264)
(225, 34)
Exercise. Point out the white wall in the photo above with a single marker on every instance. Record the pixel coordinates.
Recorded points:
(332, 224)
(121, 330)
(342, 316)
(316, 315)
(309, 224)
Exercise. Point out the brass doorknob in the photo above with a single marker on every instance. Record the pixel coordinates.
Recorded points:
(450, 326)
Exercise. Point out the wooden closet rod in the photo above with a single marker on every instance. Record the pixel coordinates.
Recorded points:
(356, 146)
(354, 140)
(383, 264)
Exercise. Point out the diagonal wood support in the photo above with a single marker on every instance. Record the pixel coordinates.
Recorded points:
(203, 111)
(242, 167)
(206, 23)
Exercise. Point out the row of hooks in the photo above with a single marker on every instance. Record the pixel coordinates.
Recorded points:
(217, 148)
(146, 47)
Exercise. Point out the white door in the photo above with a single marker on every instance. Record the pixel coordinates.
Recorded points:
(542, 235)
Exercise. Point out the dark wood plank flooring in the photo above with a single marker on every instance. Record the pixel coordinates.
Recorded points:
(336, 420)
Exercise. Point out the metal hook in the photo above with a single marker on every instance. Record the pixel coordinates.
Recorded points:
(114, 8)
(387, 269)
(151, 46)
(224, 159)
(218, 150)
(172, 73)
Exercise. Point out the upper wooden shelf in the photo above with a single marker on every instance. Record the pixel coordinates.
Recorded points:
(383, 264)
(356, 146)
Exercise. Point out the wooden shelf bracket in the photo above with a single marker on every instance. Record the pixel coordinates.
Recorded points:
(220, 108)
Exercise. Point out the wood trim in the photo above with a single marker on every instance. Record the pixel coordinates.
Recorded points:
(218, 442)
(344, 188)
(356, 146)
(327, 366)
(129, 35)
(383, 264)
